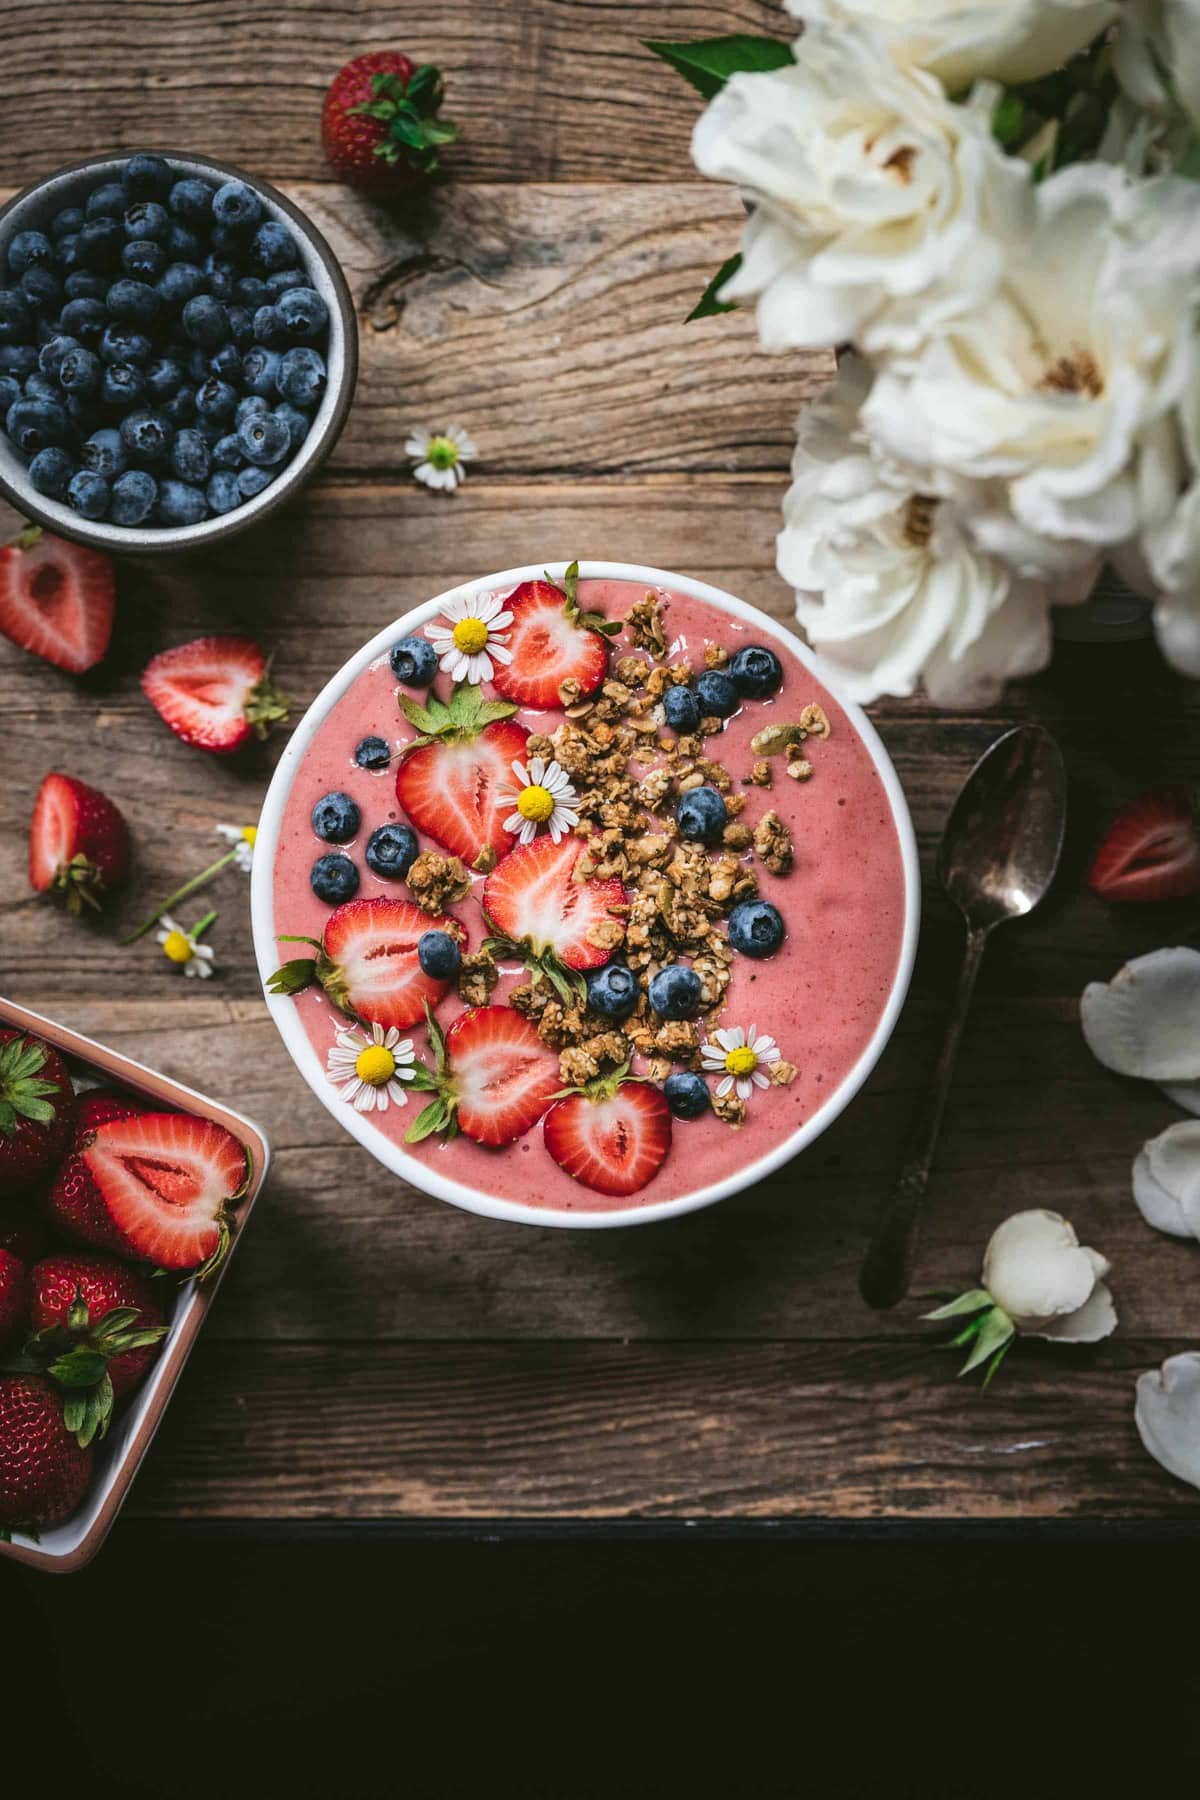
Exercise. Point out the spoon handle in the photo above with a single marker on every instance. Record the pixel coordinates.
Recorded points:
(887, 1270)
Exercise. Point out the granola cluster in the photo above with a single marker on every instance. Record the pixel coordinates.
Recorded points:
(436, 882)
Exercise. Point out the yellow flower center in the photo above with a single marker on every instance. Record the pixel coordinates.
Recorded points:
(741, 1062)
(470, 636)
(375, 1065)
(442, 452)
(250, 835)
(535, 802)
(176, 947)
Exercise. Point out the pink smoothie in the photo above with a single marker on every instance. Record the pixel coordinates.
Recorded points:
(820, 996)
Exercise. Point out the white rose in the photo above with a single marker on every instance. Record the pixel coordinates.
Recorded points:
(1046, 1281)
(1171, 539)
(1167, 1414)
(1160, 39)
(880, 209)
(1053, 387)
(1009, 40)
(889, 587)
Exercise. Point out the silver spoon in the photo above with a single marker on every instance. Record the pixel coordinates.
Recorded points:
(998, 856)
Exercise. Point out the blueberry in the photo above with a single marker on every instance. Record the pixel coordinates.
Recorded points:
(220, 275)
(229, 243)
(249, 403)
(260, 366)
(373, 753)
(164, 377)
(198, 364)
(66, 223)
(180, 408)
(336, 818)
(69, 263)
(682, 709)
(253, 480)
(147, 219)
(179, 283)
(205, 321)
(716, 693)
(236, 206)
(391, 851)
(37, 386)
(52, 352)
(120, 344)
(215, 399)
(251, 292)
(301, 377)
(304, 314)
(80, 371)
(686, 1094)
(272, 247)
(211, 430)
(241, 328)
(99, 244)
(82, 284)
(28, 250)
(104, 453)
(89, 494)
(179, 503)
(226, 363)
(756, 672)
(283, 279)
(143, 259)
(297, 423)
(42, 288)
(414, 662)
(756, 928)
(86, 320)
(675, 992)
(18, 359)
(265, 439)
(227, 452)
(85, 413)
(147, 435)
(222, 492)
(269, 328)
(191, 458)
(701, 815)
(16, 323)
(613, 991)
(191, 200)
(108, 201)
(123, 387)
(147, 177)
(32, 424)
(182, 245)
(133, 497)
(10, 393)
(439, 955)
(334, 879)
(50, 471)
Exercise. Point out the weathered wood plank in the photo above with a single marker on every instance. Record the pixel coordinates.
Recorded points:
(591, 1431)
(547, 90)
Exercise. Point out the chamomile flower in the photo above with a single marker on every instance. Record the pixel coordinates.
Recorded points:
(741, 1056)
(543, 796)
(469, 638)
(184, 949)
(369, 1068)
(439, 456)
(243, 839)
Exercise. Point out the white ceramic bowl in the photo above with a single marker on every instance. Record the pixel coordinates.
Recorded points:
(398, 1160)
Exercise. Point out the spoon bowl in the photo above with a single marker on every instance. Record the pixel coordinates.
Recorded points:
(1003, 839)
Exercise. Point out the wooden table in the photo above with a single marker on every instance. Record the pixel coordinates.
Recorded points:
(377, 1355)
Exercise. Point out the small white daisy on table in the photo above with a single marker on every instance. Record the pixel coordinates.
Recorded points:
(369, 1068)
(543, 796)
(741, 1055)
(439, 456)
(242, 839)
(184, 949)
(469, 637)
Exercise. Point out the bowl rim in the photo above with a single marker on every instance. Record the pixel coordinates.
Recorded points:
(392, 1156)
(328, 422)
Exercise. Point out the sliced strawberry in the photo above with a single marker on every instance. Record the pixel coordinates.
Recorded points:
(56, 599)
(367, 962)
(1151, 850)
(166, 1181)
(449, 789)
(614, 1142)
(552, 642)
(502, 1075)
(534, 899)
(78, 842)
(74, 1205)
(214, 693)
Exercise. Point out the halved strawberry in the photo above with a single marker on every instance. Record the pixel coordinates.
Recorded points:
(367, 962)
(167, 1181)
(532, 897)
(552, 641)
(214, 693)
(493, 1077)
(78, 842)
(73, 1205)
(1151, 850)
(56, 599)
(613, 1136)
(454, 769)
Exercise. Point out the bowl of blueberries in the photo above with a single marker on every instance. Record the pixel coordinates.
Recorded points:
(178, 350)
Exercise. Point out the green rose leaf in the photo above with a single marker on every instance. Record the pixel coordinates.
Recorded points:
(708, 303)
(709, 62)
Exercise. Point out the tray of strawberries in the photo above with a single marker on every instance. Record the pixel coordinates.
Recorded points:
(122, 1195)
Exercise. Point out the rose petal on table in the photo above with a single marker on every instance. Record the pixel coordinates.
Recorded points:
(1185, 1094)
(1167, 1415)
(1095, 1319)
(1146, 1020)
(1166, 1179)
(1157, 1206)
(1037, 1270)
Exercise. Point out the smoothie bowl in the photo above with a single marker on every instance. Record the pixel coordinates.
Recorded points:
(580, 900)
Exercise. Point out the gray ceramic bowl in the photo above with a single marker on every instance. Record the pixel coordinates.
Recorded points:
(34, 206)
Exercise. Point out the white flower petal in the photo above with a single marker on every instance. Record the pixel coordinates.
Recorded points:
(760, 1080)
(499, 653)
(1185, 1094)
(1166, 1180)
(1144, 1021)
(1167, 1414)
(1095, 1319)
(724, 1087)
(1036, 1269)
(1157, 1205)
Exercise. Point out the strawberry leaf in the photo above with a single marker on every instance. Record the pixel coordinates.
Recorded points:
(23, 1090)
(434, 1117)
(293, 977)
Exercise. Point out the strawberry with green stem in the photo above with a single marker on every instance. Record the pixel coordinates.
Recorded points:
(37, 1110)
(539, 914)
(379, 123)
(453, 775)
(492, 1078)
(367, 962)
(552, 640)
(612, 1134)
(78, 843)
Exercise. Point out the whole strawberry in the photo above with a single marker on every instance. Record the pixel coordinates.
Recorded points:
(44, 1473)
(379, 123)
(102, 1287)
(37, 1110)
(78, 842)
(14, 1297)
(21, 1231)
